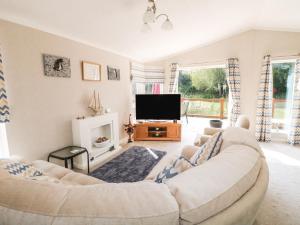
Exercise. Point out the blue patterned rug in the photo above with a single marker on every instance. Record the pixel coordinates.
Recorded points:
(131, 166)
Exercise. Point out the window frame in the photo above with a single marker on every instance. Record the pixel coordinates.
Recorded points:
(4, 150)
(205, 66)
(282, 133)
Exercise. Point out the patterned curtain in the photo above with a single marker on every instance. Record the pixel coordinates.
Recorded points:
(264, 103)
(174, 74)
(234, 83)
(4, 110)
(294, 133)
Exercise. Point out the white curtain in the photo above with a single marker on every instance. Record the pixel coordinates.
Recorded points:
(4, 153)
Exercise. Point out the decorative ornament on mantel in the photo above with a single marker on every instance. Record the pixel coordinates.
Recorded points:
(95, 104)
(129, 128)
(151, 17)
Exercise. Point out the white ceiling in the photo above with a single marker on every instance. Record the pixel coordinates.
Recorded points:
(115, 25)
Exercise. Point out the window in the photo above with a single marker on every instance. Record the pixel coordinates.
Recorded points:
(283, 82)
(4, 153)
(206, 90)
(148, 88)
(147, 79)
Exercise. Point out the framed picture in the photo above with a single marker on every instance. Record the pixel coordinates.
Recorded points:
(113, 73)
(56, 66)
(91, 71)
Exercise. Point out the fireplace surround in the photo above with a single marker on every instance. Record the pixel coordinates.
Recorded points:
(86, 131)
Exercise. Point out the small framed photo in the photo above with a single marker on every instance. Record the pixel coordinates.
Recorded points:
(113, 73)
(91, 71)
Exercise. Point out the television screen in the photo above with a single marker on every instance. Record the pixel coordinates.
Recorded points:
(158, 107)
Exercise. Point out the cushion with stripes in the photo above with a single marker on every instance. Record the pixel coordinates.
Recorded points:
(17, 168)
(177, 166)
(210, 149)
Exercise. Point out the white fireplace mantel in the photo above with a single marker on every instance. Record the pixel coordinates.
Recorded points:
(87, 130)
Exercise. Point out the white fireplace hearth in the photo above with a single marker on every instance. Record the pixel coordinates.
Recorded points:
(87, 130)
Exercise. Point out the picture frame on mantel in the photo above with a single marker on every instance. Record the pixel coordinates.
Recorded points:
(91, 71)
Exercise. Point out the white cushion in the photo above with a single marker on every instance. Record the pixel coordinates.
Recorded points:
(243, 211)
(240, 136)
(242, 122)
(205, 190)
(30, 202)
(50, 169)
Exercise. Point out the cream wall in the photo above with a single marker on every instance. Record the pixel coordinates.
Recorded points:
(42, 107)
(249, 47)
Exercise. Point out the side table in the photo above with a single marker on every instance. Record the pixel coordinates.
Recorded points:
(70, 152)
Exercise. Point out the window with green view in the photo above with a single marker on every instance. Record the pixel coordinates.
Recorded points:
(209, 86)
(283, 80)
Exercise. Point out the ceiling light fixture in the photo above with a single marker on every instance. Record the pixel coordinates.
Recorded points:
(150, 17)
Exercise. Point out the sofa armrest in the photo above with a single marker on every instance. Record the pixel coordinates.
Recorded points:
(211, 130)
(188, 151)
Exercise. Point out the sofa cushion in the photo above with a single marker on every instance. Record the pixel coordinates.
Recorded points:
(243, 211)
(28, 202)
(168, 159)
(18, 168)
(240, 136)
(80, 179)
(212, 130)
(188, 151)
(178, 166)
(210, 149)
(205, 190)
(58, 174)
(50, 169)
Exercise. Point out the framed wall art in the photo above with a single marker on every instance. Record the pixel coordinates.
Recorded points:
(56, 66)
(113, 73)
(91, 71)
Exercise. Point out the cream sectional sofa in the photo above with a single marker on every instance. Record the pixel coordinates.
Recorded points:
(227, 189)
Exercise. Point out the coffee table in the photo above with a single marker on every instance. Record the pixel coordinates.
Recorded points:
(70, 152)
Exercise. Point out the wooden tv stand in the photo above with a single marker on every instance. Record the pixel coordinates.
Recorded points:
(157, 131)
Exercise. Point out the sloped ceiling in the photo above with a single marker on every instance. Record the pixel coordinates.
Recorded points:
(115, 25)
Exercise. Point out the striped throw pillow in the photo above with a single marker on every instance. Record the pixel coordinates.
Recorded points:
(210, 149)
(178, 166)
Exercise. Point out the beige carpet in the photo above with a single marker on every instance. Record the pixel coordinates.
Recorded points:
(282, 203)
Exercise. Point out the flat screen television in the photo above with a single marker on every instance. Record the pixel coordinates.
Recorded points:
(157, 107)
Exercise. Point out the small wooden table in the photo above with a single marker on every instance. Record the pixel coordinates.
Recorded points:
(70, 152)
